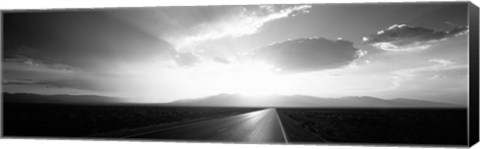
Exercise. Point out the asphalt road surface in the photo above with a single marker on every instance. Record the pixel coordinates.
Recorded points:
(261, 126)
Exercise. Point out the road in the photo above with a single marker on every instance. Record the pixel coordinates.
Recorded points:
(261, 126)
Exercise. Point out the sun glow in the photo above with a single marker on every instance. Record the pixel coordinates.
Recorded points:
(159, 79)
(256, 79)
(246, 78)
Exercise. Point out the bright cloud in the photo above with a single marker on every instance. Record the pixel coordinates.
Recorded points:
(244, 22)
(439, 68)
(402, 37)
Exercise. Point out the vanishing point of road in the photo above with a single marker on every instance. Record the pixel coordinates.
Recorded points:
(262, 126)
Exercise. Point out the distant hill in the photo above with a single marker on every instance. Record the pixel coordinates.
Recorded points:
(235, 100)
(421, 103)
(63, 99)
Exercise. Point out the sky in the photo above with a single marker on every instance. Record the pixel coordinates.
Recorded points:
(161, 54)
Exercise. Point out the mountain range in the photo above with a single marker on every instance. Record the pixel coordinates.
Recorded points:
(237, 100)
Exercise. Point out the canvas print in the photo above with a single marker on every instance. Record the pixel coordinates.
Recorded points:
(373, 73)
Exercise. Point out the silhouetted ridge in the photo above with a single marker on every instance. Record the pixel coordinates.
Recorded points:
(66, 99)
(235, 100)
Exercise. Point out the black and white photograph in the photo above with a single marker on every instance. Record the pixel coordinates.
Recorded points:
(355, 73)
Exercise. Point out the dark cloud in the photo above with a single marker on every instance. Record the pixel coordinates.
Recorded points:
(18, 82)
(309, 54)
(81, 84)
(83, 39)
(407, 38)
(48, 64)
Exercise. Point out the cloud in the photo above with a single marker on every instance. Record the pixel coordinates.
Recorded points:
(221, 60)
(46, 64)
(245, 20)
(309, 54)
(189, 59)
(81, 84)
(186, 59)
(402, 37)
(361, 53)
(17, 82)
(441, 62)
(100, 40)
(441, 68)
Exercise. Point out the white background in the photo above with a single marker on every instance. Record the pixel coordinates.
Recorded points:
(85, 144)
